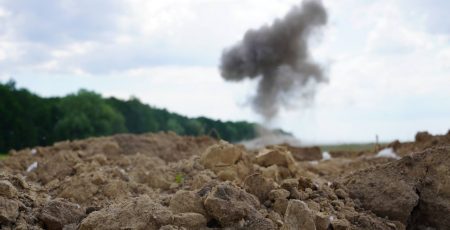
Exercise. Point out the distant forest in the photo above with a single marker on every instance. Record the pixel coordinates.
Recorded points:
(27, 119)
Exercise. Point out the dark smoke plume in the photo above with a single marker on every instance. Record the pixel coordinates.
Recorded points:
(279, 55)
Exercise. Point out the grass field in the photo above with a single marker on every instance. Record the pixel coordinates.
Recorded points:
(3, 156)
(349, 147)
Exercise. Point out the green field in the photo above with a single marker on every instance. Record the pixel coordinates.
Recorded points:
(3, 156)
(349, 147)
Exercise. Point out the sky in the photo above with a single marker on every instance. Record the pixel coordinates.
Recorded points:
(387, 61)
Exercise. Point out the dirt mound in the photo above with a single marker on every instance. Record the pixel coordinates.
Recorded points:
(423, 140)
(414, 190)
(164, 181)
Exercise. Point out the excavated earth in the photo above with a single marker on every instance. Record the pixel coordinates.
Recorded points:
(165, 181)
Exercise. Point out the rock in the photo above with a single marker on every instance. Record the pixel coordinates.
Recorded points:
(314, 206)
(190, 220)
(278, 194)
(57, 213)
(305, 153)
(220, 155)
(340, 224)
(228, 204)
(227, 173)
(58, 165)
(397, 200)
(134, 213)
(199, 180)
(423, 136)
(187, 201)
(298, 216)
(272, 172)
(259, 223)
(322, 221)
(79, 189)
(276, 218)
(394, 145)
(280, 200)
(275, 156)
(70, 227)
(341, 193)
(171, 227)
(290, 184)
(413, 190)
(100, 158)
(9, 211)
(305, 183)
(259, 186)
(7, 189)
(280, 205)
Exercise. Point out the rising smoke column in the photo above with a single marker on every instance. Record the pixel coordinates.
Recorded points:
(279, 55)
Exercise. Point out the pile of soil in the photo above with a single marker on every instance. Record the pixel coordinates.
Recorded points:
(165, 181)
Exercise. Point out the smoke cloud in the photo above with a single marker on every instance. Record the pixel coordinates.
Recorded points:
(278, 54)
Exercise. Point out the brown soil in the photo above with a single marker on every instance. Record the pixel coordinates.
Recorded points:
(164, 181)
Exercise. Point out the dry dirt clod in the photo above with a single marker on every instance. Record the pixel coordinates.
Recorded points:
(9, 211)
(135, 213)
(228, 204)
(322, 221)
(187, 201)
(57, 213)
(259, 223)
(279, 194)
(7, 189)
(298, 216)
(259, 186)
(280, 200)
(275, 156)
(340, 224)
(404, 189)
(189, 220)
(305, 153)
(340, 193)
(220, 155)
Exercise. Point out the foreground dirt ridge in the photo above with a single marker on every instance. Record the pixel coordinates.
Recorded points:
(164, 181)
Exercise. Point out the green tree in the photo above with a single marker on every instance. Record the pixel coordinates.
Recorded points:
(28, 120)
(174, 125)
(139, 118)
(86, 114)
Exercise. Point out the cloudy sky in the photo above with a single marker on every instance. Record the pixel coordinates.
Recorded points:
(387, 61)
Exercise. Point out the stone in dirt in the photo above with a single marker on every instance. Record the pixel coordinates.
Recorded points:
(7, 189)
(275, 155)
(57, 165)
(187, 201)
(57, 213)
(136, 213)
(259, 186)
(340, 224)
(9, 211)
(423, 136)
(322, 221)
(259, 223)
(298, 216)
(228, 204)
(220, 155)
(414, 190)
(305, 153)
(190, 220)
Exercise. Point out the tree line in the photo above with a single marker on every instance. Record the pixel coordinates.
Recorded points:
(27, 119)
